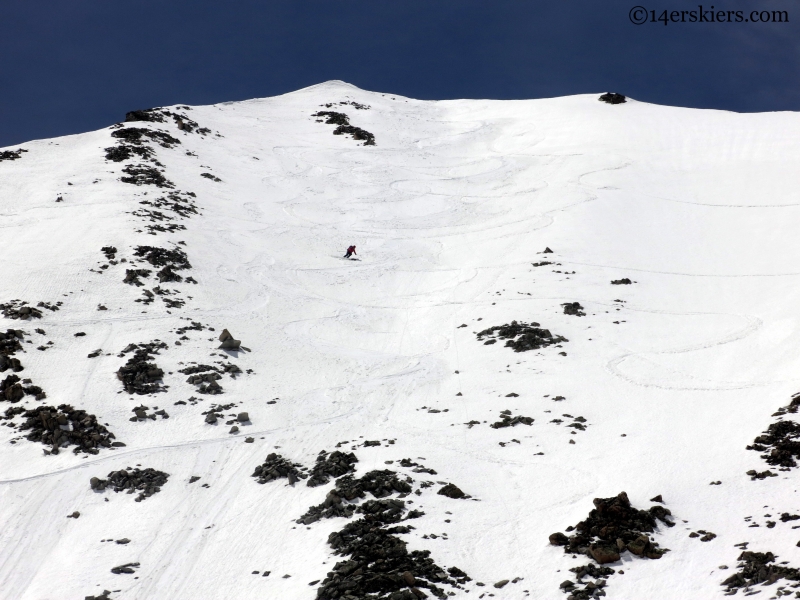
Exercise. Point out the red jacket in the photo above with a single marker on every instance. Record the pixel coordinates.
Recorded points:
(351, 249)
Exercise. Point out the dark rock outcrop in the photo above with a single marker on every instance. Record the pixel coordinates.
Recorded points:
(758, 568)
(573, 308)
(521, 337)
(138, 375)
(343, 126)
(277, 467)
(65, 426)
(612, 98)
(145, 481)
(330, 466)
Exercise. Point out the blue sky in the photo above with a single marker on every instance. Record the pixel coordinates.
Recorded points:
(68, 67)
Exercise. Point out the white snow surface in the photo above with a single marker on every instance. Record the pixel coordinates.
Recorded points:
(450, 208)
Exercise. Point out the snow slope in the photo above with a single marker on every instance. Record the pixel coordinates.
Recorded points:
(448, 211)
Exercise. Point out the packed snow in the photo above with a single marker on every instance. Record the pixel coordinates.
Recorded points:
(653, 386)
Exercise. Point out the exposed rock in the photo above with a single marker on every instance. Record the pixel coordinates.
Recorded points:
(148, 114)
(137, 135)
(277, 467)
(377, 563)
(9, 345)
(417, 468)
(127, 568)
(163, 257)
(760, 475)
(380, 484)
(558, 539)
(507, 420)
(758, 568)
(613, 519)
(132, 276)
(344, 127)
(138, 376)
(522, 336)
(124, 152)
(623, 281)
(19, 309)
(11, 154)
(228, 343)
(330, 466)
(145, 481)
(452, 491)
(145, 175)
(66, 426)
(573, 308)
(215, 412)
(612, 98)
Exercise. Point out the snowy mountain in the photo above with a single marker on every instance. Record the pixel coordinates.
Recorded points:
(551, 302)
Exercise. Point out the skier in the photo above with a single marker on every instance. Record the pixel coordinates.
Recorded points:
(350, 251)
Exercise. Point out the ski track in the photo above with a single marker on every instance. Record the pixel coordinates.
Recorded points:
(454, 204)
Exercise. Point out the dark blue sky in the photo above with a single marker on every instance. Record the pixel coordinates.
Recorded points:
(68, 67)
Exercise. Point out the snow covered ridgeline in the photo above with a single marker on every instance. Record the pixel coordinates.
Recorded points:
(159, 232)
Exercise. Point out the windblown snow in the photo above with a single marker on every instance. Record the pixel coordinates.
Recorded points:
(201, 398)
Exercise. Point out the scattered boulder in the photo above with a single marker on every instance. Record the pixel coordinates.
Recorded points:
(623, 281)
(760, 475)
(228, 343)
(125, 569)
(507, 420)
(558, 539)
(141, 414)
(416, 467)
(452, 491)
(215, 412)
